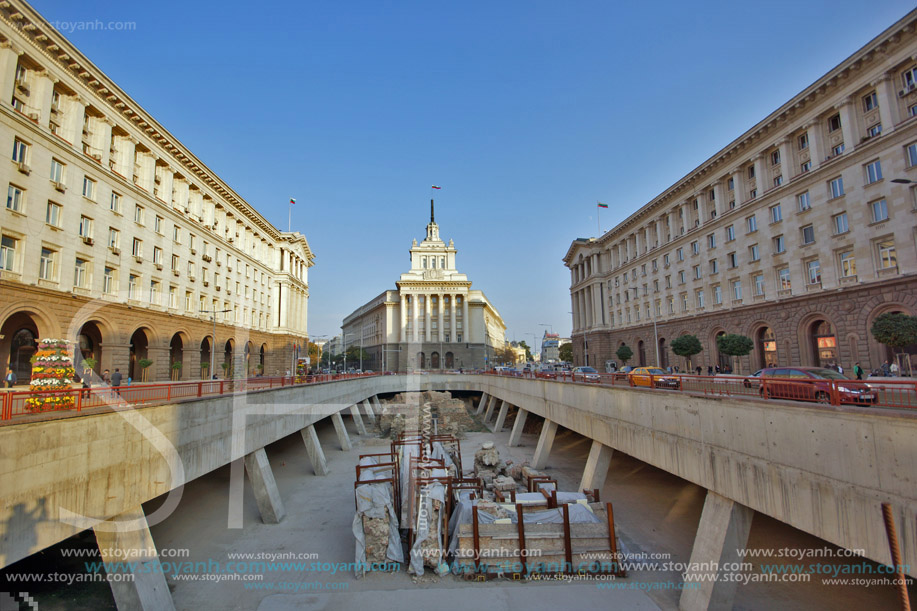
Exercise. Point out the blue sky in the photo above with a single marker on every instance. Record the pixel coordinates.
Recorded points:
(525, 112)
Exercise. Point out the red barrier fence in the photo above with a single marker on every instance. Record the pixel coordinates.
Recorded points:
(21, 403)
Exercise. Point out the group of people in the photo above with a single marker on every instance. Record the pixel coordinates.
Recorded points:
(112, 379)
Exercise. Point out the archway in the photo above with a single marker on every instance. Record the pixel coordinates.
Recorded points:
(227, 359)
(766, 343)
(663, 355)
(421, 360)
(261, 358)
(23, 334)
(140, 342)
(824, 343)
(434, 360)
(89, 341)
(248, 359)
(205, 358)
(641, 353)
(905, 356)
(450, 361)
(723, 361)
(176, 353)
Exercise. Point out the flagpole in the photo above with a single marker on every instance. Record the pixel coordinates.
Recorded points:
(290, 219)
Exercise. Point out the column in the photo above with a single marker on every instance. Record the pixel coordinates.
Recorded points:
(738, 186)
(147, 588)
(314, 448)
(816, 152)
(721, 535)
(441, 337)
(452, 331)
(266, 493)
(516, 435)
(686, 223)
(367, 406)
(343, 437)
(761, 183)
(40, 99)
(501, 417)
(403, 314)
(427, 317)
(788, 166)
(719, 200)
(482, 404)
(849, 124)
(545, 441)
(575, 313)
(596, 466)
(357, 419)
(888, 102)
(466, 325)
(490, 409)
(414, 334)
(9, 58)
(639, 240)
(597, 303)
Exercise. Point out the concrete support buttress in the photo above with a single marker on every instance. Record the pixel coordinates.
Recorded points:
(482, 404)
(596, 466)
(148, 588)
(516, 436)
(369, 410)
(357, 419)
(490, 409)
(343, 436)
(266, 493)
(501, 417)
(314, 447)
(721, 536)
(377, 405)
(545, 441)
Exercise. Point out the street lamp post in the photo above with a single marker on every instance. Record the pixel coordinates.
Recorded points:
(655, 329)
(213, 346)
(344, 346)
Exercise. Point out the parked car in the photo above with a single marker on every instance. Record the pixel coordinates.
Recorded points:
(653, 377)
(588, 373)
(753, 379)
(813, 384)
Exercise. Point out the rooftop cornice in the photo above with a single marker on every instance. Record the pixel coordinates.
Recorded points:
(48, 42)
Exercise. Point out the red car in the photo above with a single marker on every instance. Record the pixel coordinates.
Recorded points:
(813, 384)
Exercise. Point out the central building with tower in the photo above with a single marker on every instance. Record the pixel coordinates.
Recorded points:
(433, 320)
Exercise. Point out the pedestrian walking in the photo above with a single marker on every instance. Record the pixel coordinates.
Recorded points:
(10, 378)
(857, 370)
(886, 370)
(893, 370)
(116, 378)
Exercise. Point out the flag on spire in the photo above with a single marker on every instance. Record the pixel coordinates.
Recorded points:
(601, 205)
(435, 187)
(292, 201)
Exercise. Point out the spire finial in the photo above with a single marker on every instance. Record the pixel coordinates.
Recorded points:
(431, 211)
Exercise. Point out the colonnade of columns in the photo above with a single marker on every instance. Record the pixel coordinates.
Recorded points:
(420, 310)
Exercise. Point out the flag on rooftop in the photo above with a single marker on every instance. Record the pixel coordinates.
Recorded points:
(601, 205)
(292, 201)
(435, 187)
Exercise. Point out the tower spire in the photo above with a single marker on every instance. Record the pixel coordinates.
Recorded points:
(431, 211)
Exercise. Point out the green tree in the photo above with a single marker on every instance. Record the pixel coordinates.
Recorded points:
(895, 330)
(353, 357)
(734, 345)
(144, 364)
(528, 351)
(565, 352)
(315, 352)
(687, 346)
(624, 353)
(505, 355)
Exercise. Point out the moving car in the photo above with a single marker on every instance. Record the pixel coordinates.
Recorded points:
(653, 377)
(814, 384)
(588, 373)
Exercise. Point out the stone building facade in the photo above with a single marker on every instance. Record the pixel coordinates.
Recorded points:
(798, 234)
(116, 237)
(434, 320)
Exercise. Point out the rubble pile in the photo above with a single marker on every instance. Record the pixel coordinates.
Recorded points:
(402, 412)
(376, 532)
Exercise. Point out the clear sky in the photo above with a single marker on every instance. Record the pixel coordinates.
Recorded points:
(525, 112)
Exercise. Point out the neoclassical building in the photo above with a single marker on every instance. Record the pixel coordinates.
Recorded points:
(116, 237)
(797, 234)
(434, 320)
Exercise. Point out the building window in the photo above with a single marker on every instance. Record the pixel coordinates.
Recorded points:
(717, 294)
(189, 301)
(751, 224)
(848, 263)
(714, 266)
(173, 297)
(176, 234)
(813, 271)
(783, 277)
(85, 227)
(737, 290)
(132, 282)
(776, 214)
(699, 299)
(137, 247)
(840, 223)
(80, 273)
(668, 282)
(775, 157)
(803, 141)
(912, 110)
(836, 187)
(870, 102)
(138, 214)
(778, 180)
(751, 171)
(874, 130)
(909, 78)
(681, 277)
(46, 266)
(157, 225)
(191, 270)
(20, 151)
(808, 234)
(887, 256)
(57, 171)
(697, 272)
(655, 265)
(711, 240)
(912, 155)
(805, 167)
(684, 302)
(873, 171)
(753, 194)
(834, 123)
(754, 252)
(695, 248)
(879, 211)
(154, 292)
(89, 188)
(53, 214)
(15, 198)
(758, 280)
(157, 255)
(115, 202)
(731, 184)
(803, 201)
(114, 237)
(108, 281)
(730, 233)
(680, 254)
(779, 244)
(732, 260)
(8, 253)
